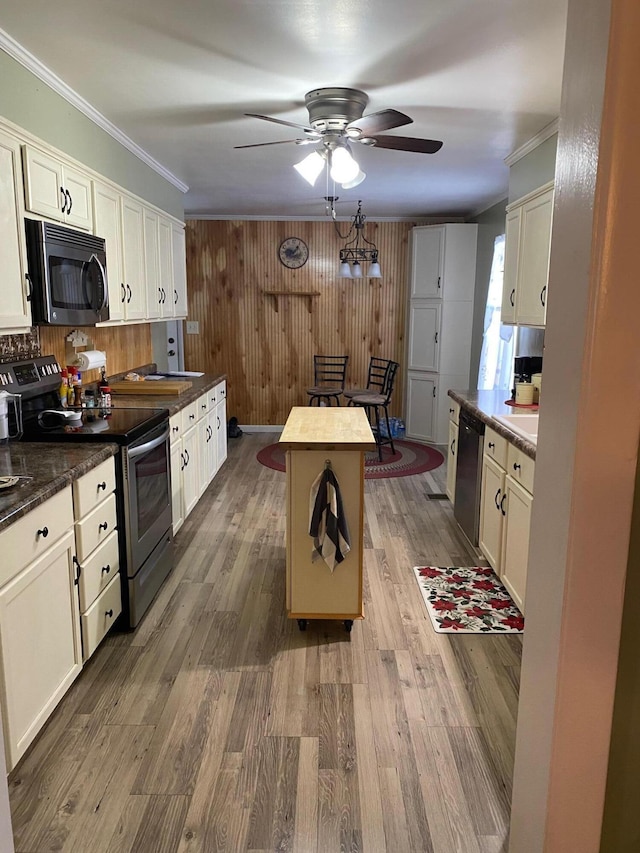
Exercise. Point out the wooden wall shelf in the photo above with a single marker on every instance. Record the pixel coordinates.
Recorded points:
(307, 294)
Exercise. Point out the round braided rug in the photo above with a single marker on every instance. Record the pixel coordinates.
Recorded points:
(410, 458)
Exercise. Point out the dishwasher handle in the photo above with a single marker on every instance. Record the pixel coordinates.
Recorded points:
(471, 421)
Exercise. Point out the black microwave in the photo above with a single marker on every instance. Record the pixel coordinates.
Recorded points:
(67, 274)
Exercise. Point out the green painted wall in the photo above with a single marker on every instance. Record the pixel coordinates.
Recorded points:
(491, 224)
(535, 169)
(31, 104)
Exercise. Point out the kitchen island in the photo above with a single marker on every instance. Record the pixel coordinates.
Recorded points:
(315, 438)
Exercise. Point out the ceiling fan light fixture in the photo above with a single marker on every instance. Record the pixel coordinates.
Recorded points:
(310, 167)
(343, 167)
(359, 178)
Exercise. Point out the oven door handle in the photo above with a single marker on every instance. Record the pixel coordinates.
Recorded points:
(134, 452)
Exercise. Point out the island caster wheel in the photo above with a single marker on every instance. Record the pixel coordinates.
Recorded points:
(348, 625)
(302, 624)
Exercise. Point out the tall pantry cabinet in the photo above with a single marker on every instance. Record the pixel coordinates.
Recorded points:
(439, 323)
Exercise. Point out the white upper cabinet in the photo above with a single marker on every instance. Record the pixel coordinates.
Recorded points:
(424, 331)
(427, 255)
(152, 264)
(14, 308)
(179, 270)
(135, 298)
(108, 225)
(56, 190)
(165, 267)
(526, 264)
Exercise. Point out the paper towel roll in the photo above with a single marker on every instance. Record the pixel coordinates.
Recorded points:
(91, 359)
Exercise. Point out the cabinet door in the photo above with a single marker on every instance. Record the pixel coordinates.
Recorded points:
(135, 303)
(515, 550)
(492, 501)
(212, 446)
(190, 477)
(176, 485)
(14, 308)
(510, 277)
(179, 270)
(427, 252)
(44, 192)
(452, 460)
(204, 473)
(79, 210)
(424, 335)
(40, 642)
(165, 266)
(421, 406)
(107, 224)
(221, 428)
(533, 261)
(152, 264)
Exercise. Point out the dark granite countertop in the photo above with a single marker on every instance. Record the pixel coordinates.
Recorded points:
(51, 467)
(199, 384)
(485, 404)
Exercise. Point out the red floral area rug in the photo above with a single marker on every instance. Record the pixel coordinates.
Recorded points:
(467, 601)
(410, 458)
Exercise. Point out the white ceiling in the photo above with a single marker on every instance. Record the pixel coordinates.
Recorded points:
(176, 77)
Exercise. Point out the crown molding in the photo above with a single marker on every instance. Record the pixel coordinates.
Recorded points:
(540, 137)
(501, 198)
(32, 64)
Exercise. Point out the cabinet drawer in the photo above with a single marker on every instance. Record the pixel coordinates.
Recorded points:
(190, 415)
(95, 527)
(454, 410)
(94, 487)
(100, 617)
(31, 535)
(202, 405)
(495, 447)
(175, 427)
(520, 468)
(98, 570)
(221, 390)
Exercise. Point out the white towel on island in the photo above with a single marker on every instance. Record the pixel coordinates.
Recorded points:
(327, 521)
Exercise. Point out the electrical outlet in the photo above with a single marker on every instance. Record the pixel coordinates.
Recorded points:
(193, 327)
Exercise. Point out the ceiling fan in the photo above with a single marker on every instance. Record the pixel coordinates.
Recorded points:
(336, 119)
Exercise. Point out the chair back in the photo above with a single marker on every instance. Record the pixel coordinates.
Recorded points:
(330, 371)
(377, 373)
(389, 381)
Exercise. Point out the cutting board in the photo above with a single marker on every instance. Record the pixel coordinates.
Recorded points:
(158, 387)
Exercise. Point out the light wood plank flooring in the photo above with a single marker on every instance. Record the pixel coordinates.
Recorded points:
(218, 726)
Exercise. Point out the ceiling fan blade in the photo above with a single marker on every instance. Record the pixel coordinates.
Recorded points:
(376, 122)
(278, 142)
(408, 143)
(285, 123)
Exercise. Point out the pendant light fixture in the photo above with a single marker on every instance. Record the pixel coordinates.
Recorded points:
(357, 250)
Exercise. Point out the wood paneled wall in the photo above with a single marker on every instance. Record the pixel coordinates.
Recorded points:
(126, 346)
(266, 345)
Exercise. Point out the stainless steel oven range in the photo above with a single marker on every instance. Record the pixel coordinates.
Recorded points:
(143, 473)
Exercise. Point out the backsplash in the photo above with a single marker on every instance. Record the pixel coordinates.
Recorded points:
(17, 346)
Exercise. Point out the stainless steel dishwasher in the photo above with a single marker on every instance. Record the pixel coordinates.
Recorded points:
(466, 507)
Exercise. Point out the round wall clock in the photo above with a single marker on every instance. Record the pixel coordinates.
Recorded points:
(293, 253)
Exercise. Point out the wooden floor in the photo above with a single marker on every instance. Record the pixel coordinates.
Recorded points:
(218, 726)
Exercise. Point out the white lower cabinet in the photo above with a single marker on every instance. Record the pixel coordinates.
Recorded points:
(221, 424)
(452, 452)
(177, 510)
(190, 473)
(505, 512)
(40, 648)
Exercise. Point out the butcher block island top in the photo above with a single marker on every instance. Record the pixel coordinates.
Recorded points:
(327, 428)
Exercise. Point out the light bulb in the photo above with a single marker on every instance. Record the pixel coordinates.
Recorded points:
(345, 270)
(343, 167)
(310, 167)
(356, 269)
(359, 178)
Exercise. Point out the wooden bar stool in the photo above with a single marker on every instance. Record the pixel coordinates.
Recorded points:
(375, 379)
(329, 372)
(377, 407)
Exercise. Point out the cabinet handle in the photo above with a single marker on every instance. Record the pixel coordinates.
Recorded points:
(44, 532)
(128, 294)
(438, 282)
(64, 200)
(69, 201)
(453, 447)
(108, 613)
(106, 570)
(175, 429)
(436, 337)
(511, 295)
(102, 485)
(103, 525)
(186, 461)
(451, 411)
(504, 497)
(516, 466)
(182, 460)
(203, 407)
(175, 299)
(218, 419)
(192, 417)
(434, 390)
(491, 445)
(543, 296)
(29, 287)
(164, 295)
(124, 293)
(76, 579)
(497, 502)
(159, 296)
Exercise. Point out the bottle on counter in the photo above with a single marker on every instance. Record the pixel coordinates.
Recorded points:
(90, 403)
(64, 388)
(71, 385)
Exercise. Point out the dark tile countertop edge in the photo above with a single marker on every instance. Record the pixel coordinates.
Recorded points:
(485, 404)
(175, 403)
(51, 468)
